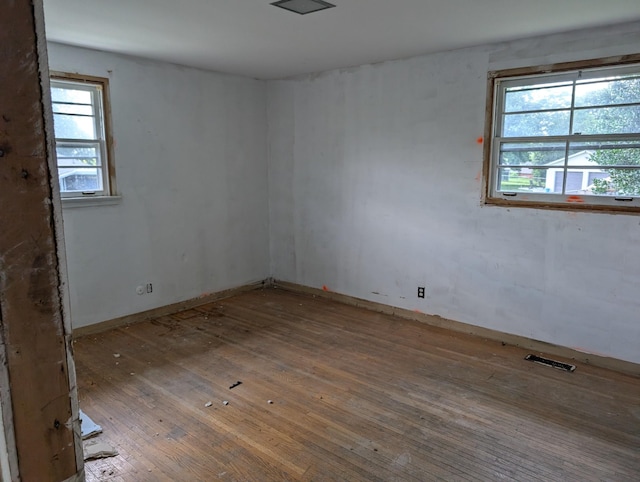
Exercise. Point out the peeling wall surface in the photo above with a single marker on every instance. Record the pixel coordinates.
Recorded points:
(190, 157)
(375, 188)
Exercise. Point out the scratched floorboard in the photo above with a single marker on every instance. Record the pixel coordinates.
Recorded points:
(356, 395)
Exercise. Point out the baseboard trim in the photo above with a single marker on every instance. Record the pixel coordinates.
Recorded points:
(541, 347)
(168, 309)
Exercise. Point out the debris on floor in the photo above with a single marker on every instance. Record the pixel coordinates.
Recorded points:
(98, 450)
(208, 404)
(235, 385)
(95, 448)
(88, 427)
(116, 355)
(269, 402)
(225, 402)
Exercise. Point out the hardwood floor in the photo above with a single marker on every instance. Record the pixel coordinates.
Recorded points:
(356, 395)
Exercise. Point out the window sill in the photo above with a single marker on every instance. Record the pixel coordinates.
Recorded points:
(85, 202)
(572, 205)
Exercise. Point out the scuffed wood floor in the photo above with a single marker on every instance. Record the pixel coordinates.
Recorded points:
(356, 395)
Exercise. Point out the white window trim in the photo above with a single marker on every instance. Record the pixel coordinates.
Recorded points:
(101, 99)
(497, 82)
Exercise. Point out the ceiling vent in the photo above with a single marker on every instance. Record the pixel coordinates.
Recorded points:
(303, 6)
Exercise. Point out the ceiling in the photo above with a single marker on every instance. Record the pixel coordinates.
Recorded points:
(255, 39)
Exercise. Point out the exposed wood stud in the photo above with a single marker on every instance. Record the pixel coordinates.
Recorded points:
(36, 393)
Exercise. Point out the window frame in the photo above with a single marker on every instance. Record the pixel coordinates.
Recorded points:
(102, 103)
(585, 202)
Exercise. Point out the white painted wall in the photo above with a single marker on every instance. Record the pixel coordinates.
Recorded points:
(190, 155)
(374, 180)
(373, 189)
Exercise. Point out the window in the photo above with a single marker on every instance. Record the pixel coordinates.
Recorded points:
(568, 137)
(85, 168)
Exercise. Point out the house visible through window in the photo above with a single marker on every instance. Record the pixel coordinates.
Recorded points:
(80, 126)
(570, 137)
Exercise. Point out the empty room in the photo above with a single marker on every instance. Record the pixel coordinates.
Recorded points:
(308, 240)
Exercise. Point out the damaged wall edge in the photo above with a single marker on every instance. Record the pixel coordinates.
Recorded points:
(63, 288)
(8, 454)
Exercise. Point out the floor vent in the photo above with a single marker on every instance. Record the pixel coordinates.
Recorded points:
(550, 363)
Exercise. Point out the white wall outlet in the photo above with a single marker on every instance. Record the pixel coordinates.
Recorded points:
(140, 290)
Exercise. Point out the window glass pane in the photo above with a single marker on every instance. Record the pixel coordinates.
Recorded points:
(605, 153)
(59, 94)
(608, 92)
(536, 124)
(78, 125)
(596, 160)
(538, 98)
(607, 120)
(78, 156)
(616, 182)
(532, 153)
(594, 119)
(524, 179)
(575, 183)
(72, 109)
(80, 179)
(74, 127)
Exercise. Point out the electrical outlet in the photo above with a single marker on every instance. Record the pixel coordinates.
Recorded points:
(149, 288)
(420, 291)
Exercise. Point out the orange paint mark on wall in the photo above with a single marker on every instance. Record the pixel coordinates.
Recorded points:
(324, 288)
(479, 140)
(418, 311)
(575, 199)
(479, 176)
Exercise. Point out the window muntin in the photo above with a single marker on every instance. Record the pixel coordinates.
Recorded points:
(566, 137)
(81, 137)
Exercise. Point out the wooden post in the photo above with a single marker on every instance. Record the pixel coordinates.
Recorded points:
(39, 404)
